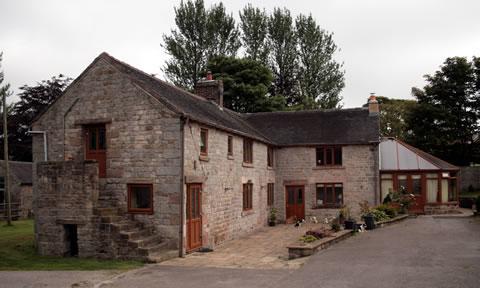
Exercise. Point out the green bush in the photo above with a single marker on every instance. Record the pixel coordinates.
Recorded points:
(389, 210)
(308, 238)
(379, 215)
(335, 226)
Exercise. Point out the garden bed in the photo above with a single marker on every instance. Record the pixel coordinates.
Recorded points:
(301, 249)
(391, 221)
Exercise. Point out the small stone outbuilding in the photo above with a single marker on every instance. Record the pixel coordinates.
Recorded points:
(141, 169)
(20, 187)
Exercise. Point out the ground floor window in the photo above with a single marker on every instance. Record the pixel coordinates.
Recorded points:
(140, 198)
(247, 196)
(329, 195)
(270, 189)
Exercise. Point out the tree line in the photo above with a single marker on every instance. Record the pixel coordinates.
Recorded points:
(290, 59)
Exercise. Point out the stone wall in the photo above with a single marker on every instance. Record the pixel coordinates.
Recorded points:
(223, 177)
(358, 174)
(66, 193)
(470, 178)
(143, 141)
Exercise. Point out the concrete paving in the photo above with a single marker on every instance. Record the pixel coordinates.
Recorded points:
(421, 252)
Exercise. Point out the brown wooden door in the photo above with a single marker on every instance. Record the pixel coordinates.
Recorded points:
(194, 216)
(96, 147)
(413, 184)
(295, 203)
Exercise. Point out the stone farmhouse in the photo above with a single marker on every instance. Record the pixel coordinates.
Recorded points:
(140, 169)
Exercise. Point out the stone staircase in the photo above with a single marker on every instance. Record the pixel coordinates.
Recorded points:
(132, 239)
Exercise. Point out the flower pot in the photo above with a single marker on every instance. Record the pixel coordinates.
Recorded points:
(350, 224)
(271, 223)
(369, 221)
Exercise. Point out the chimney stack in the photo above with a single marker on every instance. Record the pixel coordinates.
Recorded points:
(373, 106)
(210, 89)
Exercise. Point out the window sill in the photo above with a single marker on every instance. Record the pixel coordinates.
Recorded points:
(270, 168)
(203, 158)
(146, 212)
(327, 207)
(247, 212)
(247, 165)
(328, 167)
(230, 157)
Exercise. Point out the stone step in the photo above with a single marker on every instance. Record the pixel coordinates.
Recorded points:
(106, 211)
(126, 225)
(110, 219)
(162, 255)
(145, 242)
(155, 248)
(138, 233)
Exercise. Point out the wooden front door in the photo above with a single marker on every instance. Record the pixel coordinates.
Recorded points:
(295, 203)
(194, 216)
(413, 184)
(96, 147)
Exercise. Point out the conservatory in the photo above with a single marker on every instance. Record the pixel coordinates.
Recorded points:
(404, 168)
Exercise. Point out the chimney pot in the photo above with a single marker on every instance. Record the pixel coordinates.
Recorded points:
(373, 106)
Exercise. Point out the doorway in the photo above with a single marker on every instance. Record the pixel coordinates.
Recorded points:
(194, 217)
(96, 147)
(295, 203)
(71, 240)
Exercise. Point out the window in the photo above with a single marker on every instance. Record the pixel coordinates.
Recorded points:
(247, 196)
(140, 198)
(330, 195)
(270, 189)
(247, 150)
(270, 156)
(203, 141)
(230, 146)
(2, 191)
(329, 155)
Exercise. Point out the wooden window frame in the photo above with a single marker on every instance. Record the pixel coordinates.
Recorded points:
(202, 131)
(131, 210)
(247, 196)
(247, 150)
(270, 194)
(270, 156)
(229, 145)
(323, 150)
(328, 205)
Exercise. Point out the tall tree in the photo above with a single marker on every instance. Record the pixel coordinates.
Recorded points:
(393, 116)
(254, 25)
(283, 55)
(320, 77)
(4, 91)
(245, 84)
(33, 100)
(446, 121)
(200, 34)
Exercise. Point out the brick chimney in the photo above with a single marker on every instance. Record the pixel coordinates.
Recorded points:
(210, 89)
(373, 106)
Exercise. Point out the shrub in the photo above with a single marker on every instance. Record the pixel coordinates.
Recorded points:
(335, 226)
(389, 210)
(379, 215)
(308, 238)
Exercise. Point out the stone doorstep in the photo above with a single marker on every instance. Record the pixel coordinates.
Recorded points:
(297, 250)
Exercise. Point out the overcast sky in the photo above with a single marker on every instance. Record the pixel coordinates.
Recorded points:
(386, 46)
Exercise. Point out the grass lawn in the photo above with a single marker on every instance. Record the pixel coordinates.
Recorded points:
(17, 253)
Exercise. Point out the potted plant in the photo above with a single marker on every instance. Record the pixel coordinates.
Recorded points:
(349, 222)
(272, 217)
(367, 215)
(343, 214)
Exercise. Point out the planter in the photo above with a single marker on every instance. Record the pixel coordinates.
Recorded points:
(271, 223)
(350, 224)
(369, 221)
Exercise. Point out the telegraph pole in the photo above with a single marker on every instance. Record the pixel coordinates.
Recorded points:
(5, 152)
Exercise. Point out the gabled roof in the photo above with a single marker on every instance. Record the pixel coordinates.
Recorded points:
(317, 127)
(397, 155)
(21, 170)
(346, 126)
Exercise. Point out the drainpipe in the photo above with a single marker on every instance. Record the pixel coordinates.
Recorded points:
(45, 147)
(183, 120)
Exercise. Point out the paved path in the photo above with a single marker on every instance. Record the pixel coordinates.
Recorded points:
(422, 252)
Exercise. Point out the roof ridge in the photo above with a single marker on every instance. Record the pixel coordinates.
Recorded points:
(312, 111)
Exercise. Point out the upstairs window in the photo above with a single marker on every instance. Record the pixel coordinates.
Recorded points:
(203, 141)
(270, 156)
(247, 150)
(230, 145)
(329, 156)
(140, 198)
(247, 196)
(270, 193)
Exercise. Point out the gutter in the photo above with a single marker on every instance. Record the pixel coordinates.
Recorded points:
(183, 120)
